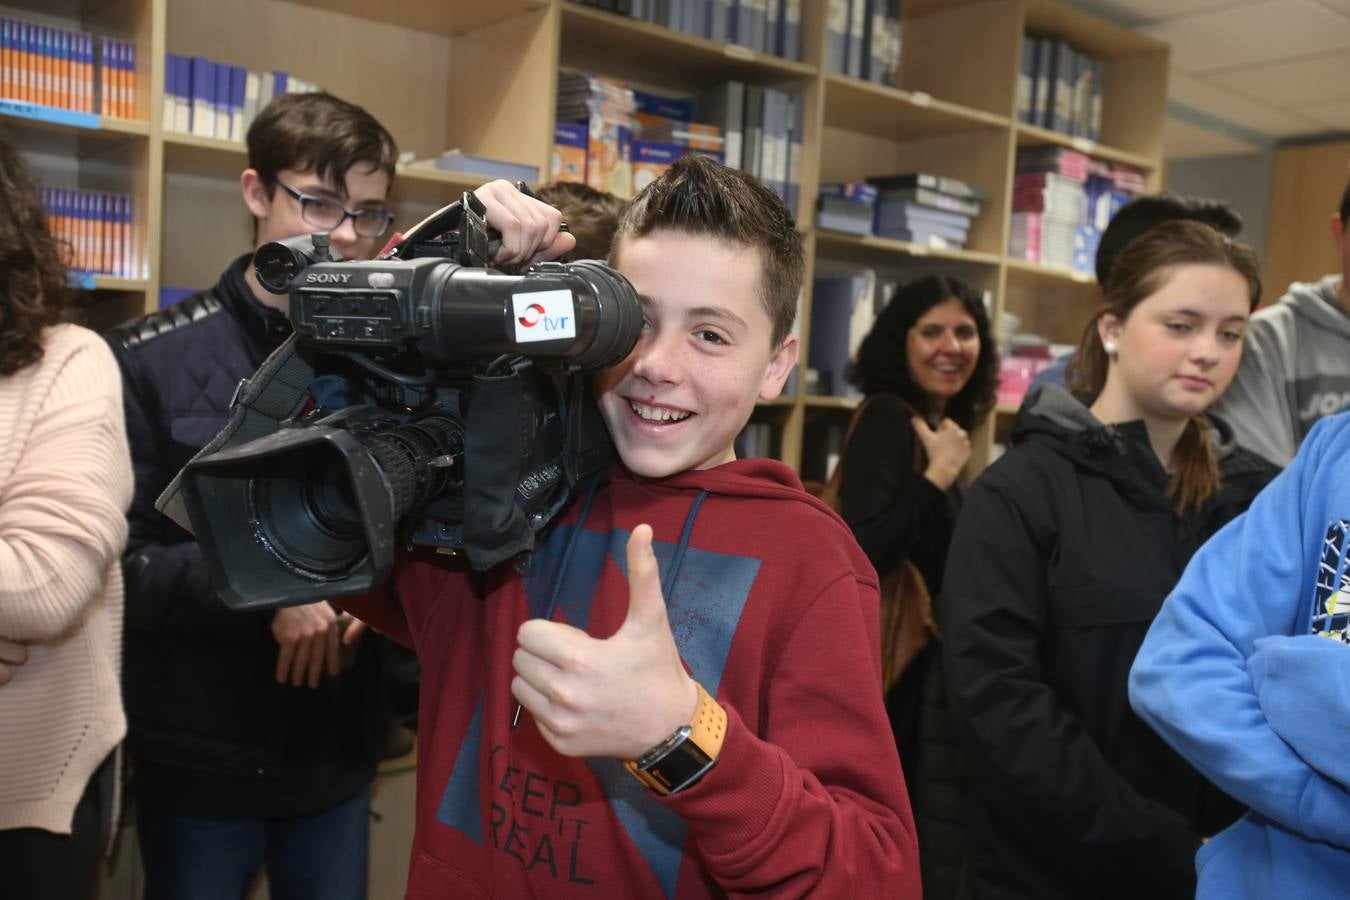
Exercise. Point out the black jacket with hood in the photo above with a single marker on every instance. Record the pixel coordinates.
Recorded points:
(1063, 554)
(212, 733)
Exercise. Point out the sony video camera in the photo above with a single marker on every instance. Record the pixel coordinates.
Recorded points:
(423, 399)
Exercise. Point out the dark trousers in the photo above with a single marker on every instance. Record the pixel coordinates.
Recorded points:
(40, 865)
(318, 857)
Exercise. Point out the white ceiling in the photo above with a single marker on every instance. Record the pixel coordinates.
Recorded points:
(1246, 73)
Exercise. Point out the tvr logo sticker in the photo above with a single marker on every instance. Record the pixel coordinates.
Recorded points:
(543, 316)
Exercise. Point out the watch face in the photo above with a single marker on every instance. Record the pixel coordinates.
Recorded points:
(655, 754)
(680, 767)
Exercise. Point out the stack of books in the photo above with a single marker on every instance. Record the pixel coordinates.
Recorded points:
(607, 107)
(932, 210)
(666, 130)
(1049, 205)
(847, 206)
(1062, 201)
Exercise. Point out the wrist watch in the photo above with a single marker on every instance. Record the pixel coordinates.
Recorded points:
(681, 759)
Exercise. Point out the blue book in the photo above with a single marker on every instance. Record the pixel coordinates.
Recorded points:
(836, 35)
(790, 30)
(279, 82)
(903, 212)
(666, 107)
(238, 83)
(202, 93)
(486, 167)
(859, 192)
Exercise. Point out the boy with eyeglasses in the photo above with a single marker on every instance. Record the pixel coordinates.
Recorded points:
(252, 745)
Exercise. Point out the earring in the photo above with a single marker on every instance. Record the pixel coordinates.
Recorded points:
(1109, 347)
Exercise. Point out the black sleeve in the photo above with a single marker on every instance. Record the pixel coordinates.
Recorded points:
(886, 503)
(168, 586)
(1034, 767)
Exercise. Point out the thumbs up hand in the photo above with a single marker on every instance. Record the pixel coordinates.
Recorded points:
(947, 448)
(619, 696)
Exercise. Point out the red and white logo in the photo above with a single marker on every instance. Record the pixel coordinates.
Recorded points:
(533, 312)
(543, 316)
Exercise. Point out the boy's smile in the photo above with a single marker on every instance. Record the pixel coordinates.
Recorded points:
(703, 360)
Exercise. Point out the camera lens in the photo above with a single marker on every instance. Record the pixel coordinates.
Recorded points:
(306, 512)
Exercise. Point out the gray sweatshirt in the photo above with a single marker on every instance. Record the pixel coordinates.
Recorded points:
(1295, 370)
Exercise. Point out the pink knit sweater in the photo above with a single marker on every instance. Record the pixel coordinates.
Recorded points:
(65, 485)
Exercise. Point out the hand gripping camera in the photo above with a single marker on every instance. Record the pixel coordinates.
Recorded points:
(424, 398)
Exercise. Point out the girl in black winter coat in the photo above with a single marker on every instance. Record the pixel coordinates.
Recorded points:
(930, 368)
(1063, 554)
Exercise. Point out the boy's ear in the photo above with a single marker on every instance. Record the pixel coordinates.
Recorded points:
(1337, 228)
(256, 195)
(780, 366)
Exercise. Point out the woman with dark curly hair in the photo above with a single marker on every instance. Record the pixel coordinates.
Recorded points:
(928, 371)
(65, 485)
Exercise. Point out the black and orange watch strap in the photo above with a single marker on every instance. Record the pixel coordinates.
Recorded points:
(683, 758)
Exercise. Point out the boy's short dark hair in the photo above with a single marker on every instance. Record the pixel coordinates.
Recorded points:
(592, 216)
(1148, 210)
(700, 197)
(1345, 205)
(319, 132)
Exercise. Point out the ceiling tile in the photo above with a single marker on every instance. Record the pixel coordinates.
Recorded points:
(1267, 31)
(1182, 140)
(1200, 95)
(1298, 82)
(1335, 115)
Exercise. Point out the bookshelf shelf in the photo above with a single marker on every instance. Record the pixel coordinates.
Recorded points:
(61, 121)
(122, 285)
(625, 48)
(875, 249)
(1050, 276)
(815, 401)
(1035, 136)
(896, 114)
(447, 18)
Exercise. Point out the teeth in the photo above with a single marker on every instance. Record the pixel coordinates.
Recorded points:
(652, 414)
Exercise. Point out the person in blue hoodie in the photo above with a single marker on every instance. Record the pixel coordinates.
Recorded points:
(1246, 673)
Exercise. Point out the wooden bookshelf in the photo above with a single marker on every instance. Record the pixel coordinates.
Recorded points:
(481, 77)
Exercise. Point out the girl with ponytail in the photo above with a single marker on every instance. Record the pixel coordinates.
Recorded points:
(1060, 559)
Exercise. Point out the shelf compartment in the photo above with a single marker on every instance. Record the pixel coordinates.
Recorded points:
(448, 17)
(875, 249)
(1036, 136)
(638, 50)
(898, 114)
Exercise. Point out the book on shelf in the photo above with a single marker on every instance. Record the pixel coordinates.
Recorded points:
(569, 152)
(65, 69)
(765, 26)
(930, 198)
(846, 206)
(1060, 88)
(941, 183)
(842, 312)
(96, 228)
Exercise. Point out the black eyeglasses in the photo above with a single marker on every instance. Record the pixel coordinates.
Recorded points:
(328, 215)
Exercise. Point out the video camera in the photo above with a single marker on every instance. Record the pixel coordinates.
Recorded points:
(424, 398)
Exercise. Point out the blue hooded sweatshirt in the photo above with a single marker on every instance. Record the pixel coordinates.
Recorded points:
(1246, 673)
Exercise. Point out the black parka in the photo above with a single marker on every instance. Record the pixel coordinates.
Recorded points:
(212, 732)
(1063, 554)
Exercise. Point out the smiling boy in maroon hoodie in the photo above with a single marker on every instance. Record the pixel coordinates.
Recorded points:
(695, 646)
